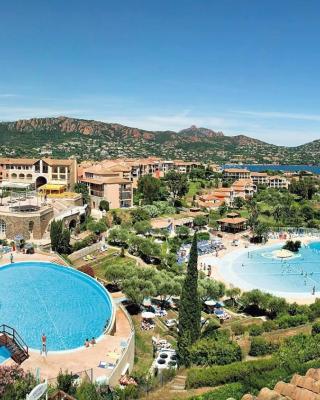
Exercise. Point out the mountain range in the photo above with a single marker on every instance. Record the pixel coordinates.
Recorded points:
(89, 139)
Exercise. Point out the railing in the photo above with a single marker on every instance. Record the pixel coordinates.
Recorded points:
(14, 335)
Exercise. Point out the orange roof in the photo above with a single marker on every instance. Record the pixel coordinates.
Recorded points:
(13, 161)
(231, 170)
(53, 161)
(259, 174)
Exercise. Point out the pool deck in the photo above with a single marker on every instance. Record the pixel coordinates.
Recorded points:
(217, 262)
(107, 349)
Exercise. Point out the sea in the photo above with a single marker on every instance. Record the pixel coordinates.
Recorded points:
(272, 167)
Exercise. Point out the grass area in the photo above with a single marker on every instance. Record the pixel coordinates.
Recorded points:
(193, 188)
(111, 256)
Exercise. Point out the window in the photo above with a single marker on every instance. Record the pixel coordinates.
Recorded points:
(29, 176)
(31, 225)
(3, 226)
(13, 176)
(21, 176)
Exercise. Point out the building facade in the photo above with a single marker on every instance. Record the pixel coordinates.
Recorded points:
(38, 172)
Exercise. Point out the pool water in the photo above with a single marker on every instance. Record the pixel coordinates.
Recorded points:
(262, 270)
(4, 354)
(66, 305)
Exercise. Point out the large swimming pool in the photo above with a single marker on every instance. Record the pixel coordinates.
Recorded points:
(261, 269)
(65, 304)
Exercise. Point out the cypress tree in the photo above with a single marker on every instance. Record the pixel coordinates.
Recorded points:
(190, 309)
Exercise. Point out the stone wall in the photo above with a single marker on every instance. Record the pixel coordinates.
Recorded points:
(31, 225)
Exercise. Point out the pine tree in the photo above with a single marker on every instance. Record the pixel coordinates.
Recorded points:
(190, 309)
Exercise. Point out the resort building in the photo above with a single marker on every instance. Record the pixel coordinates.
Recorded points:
(112, 184)
(235, 174)
(134, 168)
(39, 172)
(244, 188)
(278, 182)
(259, 178)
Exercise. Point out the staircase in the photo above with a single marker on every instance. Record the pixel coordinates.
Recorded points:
(10, 338)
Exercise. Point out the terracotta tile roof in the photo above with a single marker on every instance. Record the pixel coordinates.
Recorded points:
(300, 388)
(259, 174)
(236, 170)
(54, 161)
(14, 161)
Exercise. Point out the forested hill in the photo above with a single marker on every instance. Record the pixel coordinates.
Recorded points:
(89, 139)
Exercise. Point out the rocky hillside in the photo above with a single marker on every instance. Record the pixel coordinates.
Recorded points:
(89, 139)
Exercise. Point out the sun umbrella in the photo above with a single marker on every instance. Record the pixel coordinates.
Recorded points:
(210, 303)
(148, 315)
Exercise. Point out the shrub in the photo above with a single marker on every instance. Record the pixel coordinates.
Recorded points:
(211, 328)
(230, 390)
(269, 326)
(219, 351)
(255, 330)
(289, 321)
(219, 375)
(316, 328)
(292, 246)
(237, 328)
(88, 241)
(87, 270)
(203, 236)
(260, 347)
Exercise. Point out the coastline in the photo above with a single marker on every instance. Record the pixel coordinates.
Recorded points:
(227, 256)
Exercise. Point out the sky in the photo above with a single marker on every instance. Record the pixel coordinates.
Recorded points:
(242, 67)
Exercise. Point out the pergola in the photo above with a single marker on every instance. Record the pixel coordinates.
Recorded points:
(233, 225)
(51, 189)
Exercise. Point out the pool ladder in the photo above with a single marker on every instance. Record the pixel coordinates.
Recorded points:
(10, 338)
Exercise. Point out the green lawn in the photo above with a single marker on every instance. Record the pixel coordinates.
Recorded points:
(111, 256)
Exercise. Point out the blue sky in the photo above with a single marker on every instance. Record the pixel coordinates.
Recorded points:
(243, 67)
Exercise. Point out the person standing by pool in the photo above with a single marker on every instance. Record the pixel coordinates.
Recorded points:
(11, 258)
(44, 344)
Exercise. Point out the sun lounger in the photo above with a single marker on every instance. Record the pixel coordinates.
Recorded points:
(103, 364)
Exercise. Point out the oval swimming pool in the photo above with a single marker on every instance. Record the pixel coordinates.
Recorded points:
(65, 304)
(260, 268)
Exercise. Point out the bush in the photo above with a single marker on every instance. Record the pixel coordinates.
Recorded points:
(88, 241)
(269, 326)
(292, 246)
(255, 330)
(230, 390)
(315, 328)
(203, 236)
(87, 270)
(237, 328)
(219, 375)
(219, 351)
(289, 321)
(260, 347)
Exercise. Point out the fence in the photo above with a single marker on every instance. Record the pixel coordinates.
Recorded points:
(126, 360)
(301, 231)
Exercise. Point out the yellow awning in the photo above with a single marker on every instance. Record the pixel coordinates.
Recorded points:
(52, 186)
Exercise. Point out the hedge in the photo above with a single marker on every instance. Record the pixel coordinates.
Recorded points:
(260, 347)
(230, 390)
(219, 375)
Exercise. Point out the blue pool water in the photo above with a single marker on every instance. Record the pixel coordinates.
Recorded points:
(66, 305)
(260, 269)
(4, 354)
